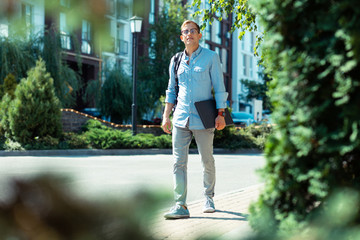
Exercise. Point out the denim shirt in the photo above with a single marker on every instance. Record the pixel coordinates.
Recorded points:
(196, 80)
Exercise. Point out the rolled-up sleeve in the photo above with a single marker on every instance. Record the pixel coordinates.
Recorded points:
(170, 92)
(217, 79)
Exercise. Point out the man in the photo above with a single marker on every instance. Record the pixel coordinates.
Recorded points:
(199, 71)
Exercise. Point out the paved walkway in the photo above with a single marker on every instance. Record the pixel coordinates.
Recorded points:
(228, 222)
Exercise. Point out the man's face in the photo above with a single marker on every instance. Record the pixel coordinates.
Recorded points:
(189, 35)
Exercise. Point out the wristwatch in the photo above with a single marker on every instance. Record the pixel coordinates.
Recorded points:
(221, 113)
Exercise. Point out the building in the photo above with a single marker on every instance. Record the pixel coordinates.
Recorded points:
(246, 67)
(39, 17)
(26, 15)
(237, 57)
(117, 17)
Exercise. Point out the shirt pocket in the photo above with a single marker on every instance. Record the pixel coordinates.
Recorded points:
(200, 73)
(181, 74)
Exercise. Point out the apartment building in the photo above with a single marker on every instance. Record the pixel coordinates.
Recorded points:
(39, 17)
(237, 56)
(117, 16)
(246, 67)
(27, 15)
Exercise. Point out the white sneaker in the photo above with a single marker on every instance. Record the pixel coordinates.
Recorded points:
(209, 206)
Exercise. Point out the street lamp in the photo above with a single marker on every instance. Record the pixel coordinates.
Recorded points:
(135, 26)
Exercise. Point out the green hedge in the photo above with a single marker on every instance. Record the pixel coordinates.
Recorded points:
(94, 135)
(311, 50)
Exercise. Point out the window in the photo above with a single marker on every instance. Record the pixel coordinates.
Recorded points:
(252, 42)
(86, 37)
(4, 30)
(217, 50)
(122, 46)
(244, 65)
(208, 32)
(243, 43)
(217, 32)
(27, 17)
(122, 10)
(224, 60)
(251, 66)
(152, 12)
(111, 7)
(65, 3)
(64, 32)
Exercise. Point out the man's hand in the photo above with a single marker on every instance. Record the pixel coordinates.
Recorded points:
(166, 125)
(220, 123)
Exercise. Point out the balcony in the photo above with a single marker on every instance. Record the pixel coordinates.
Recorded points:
(122, 47)
(65, 40)
(86, 47)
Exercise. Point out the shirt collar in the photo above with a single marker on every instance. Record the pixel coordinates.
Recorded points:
(194, 54)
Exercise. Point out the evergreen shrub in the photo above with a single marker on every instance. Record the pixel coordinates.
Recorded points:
(35, 110)
(311, 50)
(7, 95)
(102, 137)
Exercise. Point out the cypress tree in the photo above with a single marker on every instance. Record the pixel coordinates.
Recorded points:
(35, 111)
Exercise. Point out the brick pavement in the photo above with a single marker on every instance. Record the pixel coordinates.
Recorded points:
(229, 221)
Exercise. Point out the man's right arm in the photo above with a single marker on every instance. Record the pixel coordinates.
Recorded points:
(169, 99)
(166, 123)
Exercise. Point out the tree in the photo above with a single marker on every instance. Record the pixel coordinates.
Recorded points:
(311, 50)
(245, 16)
(35, 110)
(116, 96)
(18, 56)
(164, 41)
(258, 91)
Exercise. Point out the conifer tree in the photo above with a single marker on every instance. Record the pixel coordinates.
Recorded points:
(35, 111)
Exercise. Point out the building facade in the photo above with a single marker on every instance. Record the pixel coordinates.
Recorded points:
(237, 56)
(246, 67)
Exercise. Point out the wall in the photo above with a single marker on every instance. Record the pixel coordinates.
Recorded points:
(72, 121)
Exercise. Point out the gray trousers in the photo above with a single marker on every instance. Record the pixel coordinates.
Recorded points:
(181, 141)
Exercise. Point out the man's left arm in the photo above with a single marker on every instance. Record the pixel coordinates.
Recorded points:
(217, 79)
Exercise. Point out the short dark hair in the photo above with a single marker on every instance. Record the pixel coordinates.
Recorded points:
(188, 22)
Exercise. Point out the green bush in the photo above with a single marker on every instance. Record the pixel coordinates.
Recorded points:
(102, 137)
(9, 85)
(72, 140)
(311, 50)
(35, 111)
(253, 136)
(43, 207)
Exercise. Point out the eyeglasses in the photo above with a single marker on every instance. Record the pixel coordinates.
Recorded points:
(192, 31)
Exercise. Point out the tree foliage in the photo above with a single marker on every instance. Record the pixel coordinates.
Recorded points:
(19, 55)
(244, 18)
(35, 110)
(116, 96)
(311, 49)
(258, 91)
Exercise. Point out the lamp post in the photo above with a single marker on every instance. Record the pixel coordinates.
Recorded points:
(135, 26)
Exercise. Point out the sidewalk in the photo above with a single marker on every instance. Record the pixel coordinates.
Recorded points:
(114, 152)
(228, 222)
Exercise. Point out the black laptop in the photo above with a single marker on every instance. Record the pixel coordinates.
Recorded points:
(208, 112)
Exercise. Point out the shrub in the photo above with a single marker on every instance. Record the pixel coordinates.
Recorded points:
(9, 85)
(35, 111)
(312, 53)
(73, 141)
(49, 210)
(253, 136)
(103, 137)
(8, 89)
